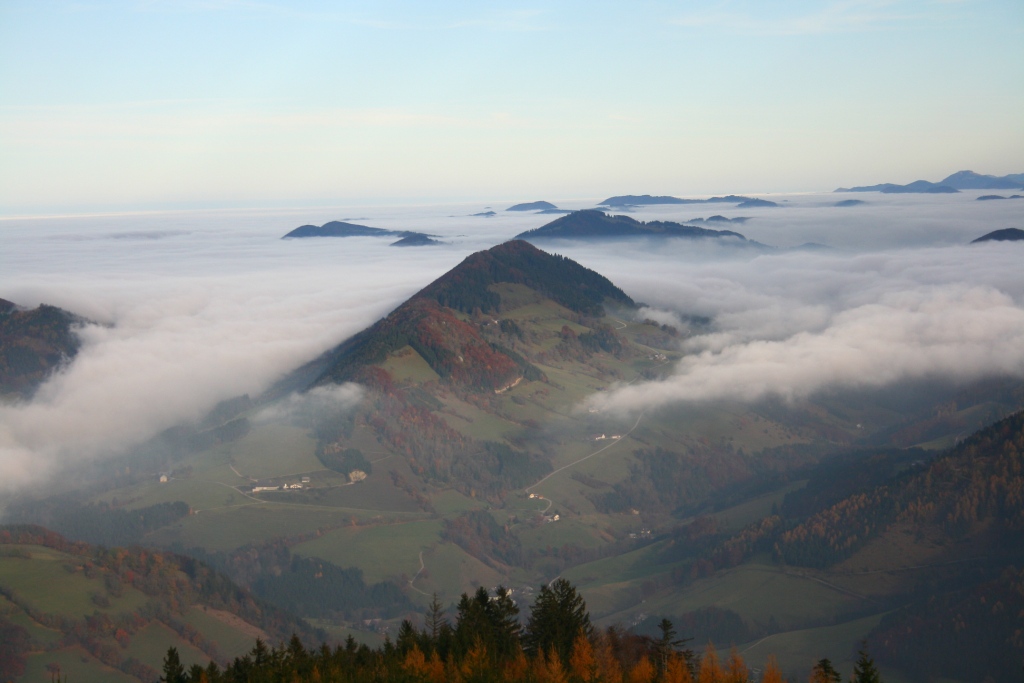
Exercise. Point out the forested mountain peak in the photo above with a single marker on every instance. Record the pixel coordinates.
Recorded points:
(595, 224)
(434, 321)
(33, 343)
(465, 287)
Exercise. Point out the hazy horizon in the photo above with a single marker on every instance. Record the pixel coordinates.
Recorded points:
(136, 105)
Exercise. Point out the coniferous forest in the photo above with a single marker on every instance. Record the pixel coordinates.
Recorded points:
(490, 643)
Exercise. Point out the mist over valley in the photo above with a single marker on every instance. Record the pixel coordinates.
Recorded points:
(680, 427)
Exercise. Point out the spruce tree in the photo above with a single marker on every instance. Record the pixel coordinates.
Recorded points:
(558, 616)
(435, 621)
(823, 672)
(174, 672)
(667, 644)
(864, 670)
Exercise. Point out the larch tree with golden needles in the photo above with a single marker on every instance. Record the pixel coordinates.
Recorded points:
(772, 673)
(642, 672)
(710, 669)
(677, 669)
(736, 668)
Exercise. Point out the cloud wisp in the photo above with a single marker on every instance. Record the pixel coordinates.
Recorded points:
(790, 327)
(219, 306)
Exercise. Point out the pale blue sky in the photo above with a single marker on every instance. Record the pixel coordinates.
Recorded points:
(131, 105)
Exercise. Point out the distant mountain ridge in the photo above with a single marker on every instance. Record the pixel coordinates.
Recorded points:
(594, 224)
(961, 180)
(916, 187)
(408, 238)
(649, 200)
(532, 206)
(1004, 235)
(969, 180)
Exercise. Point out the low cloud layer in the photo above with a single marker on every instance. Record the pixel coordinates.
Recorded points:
(311, 408)
(219, 306)
(795, 325)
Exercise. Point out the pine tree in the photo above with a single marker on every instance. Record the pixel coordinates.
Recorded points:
(558, 616)
(823, 672)
(435, 620)
(406, 639)
(174, 672)
(504, 617)
(864, 670)
(668, 643)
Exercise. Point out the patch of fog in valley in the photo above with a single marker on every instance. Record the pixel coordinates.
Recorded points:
(197, 307)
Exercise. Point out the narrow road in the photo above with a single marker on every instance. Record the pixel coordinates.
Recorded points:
(587, 457)
(834, 587)
(600, 450)
(416, 575)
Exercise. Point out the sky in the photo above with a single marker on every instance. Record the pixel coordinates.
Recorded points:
(121, 105)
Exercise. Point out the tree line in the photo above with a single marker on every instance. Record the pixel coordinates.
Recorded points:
(489, 643)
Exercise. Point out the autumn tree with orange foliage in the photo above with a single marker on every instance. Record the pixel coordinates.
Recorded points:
(710, 668)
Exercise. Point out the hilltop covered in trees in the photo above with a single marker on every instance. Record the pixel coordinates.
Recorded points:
(489, 643)
(33, 343)
(593, 224)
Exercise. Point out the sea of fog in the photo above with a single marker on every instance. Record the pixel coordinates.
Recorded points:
(194, 307)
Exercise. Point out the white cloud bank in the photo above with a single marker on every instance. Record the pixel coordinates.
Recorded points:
(218, 306)
(311, 407)
(794, 325)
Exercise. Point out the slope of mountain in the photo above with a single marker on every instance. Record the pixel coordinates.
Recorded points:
(916, 187)
(532, 206)
(966, 508)
(969, 180)
(455, 348)
(467, 455)
(110, 614)
(1004, 235)
(850, 202)
(592, 224)
(33, 343)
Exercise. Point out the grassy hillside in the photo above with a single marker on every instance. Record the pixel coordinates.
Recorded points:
(112, 614)
(484, 467)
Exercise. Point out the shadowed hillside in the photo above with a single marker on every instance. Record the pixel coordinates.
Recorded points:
(33, 343)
